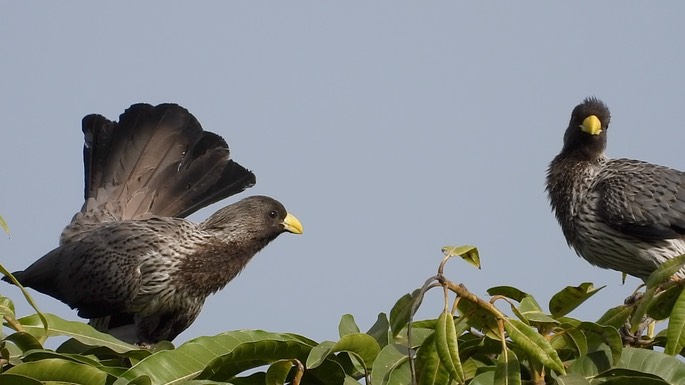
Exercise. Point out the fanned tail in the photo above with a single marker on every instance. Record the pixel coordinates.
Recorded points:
(156, 160)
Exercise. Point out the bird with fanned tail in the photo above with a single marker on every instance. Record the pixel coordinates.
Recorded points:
(620, 214)
(129, 261)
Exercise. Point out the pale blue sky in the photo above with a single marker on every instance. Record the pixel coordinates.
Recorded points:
(390, 129)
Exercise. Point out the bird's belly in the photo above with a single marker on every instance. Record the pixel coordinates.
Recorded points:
(605, 247)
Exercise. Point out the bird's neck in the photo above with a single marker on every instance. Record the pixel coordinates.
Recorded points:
(216, 263)
(591, 152)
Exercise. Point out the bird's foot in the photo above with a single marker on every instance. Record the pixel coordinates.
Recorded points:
(637, 338)
(633, 299)
(145, 345)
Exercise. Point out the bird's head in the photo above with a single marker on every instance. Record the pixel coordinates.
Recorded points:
(255, 217)
(586, 134)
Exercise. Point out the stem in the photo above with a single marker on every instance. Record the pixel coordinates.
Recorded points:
(13, 324)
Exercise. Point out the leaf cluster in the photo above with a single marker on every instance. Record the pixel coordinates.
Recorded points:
(506, 338)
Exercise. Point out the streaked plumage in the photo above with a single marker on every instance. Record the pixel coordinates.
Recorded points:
(620, 214)
(128, 257)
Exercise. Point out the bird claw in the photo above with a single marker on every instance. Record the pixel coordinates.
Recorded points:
(636, 339)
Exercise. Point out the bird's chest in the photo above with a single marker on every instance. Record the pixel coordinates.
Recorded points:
(159, 290)
(584, 195)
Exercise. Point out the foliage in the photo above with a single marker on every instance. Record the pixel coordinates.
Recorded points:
(471, 341)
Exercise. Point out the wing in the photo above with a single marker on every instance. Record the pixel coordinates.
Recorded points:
(100, 274)
(642, 199)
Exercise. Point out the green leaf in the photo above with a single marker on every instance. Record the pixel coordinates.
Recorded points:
(4, 225)
(24, 341)
(571, 297)
(403, 311)
(530, 312)
(142, 380)
(474, 365)
(361, 345)
(591, 364)
(18, 379)
(577, 339)
(28, 298)
(665, 271)
(471, 345)
(662, 305)
(467, 253)
(380, 330)
(447, 347)
(537, 317)
(569, 322)
(38, 355)
(418, 335)
(391, 367)
(509, 292)
(429, 371)
(478, 318)
(598, 364)
(529, 305)
(221, 357)
(347, 325)
(572, 379)
(607, 335)
(615, 317)
(675, 335)
(425, 324)
(55, 369)
(671, 369)
(534, 344)
(350, 381)
(277, 374)
(74, 346)
(627, 376)
(508, 369)
(6, 307)
(485, 378)
(633, 379)
(78, 330)
(319, 353)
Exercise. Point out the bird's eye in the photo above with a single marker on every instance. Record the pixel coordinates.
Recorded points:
(273, 214)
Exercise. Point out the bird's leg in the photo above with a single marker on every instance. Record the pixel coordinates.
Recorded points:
(635, 338)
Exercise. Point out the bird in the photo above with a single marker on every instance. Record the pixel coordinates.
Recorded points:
(129, 260)
(620, 214)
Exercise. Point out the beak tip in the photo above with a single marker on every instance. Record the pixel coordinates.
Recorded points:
(292, 224)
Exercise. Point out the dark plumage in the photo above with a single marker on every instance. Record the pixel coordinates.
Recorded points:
(620, 214)
(128, 257)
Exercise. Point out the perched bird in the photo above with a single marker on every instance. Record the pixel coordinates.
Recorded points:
(620, 214)
(128, 260)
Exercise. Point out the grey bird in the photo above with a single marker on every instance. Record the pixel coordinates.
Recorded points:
(129, 261)
(620, 214)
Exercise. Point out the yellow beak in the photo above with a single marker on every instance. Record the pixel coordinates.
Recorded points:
(591, 125)
(292, 224)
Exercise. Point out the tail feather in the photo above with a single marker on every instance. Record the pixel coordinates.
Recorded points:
(97, 131)
(204, 176)
(156, 161)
